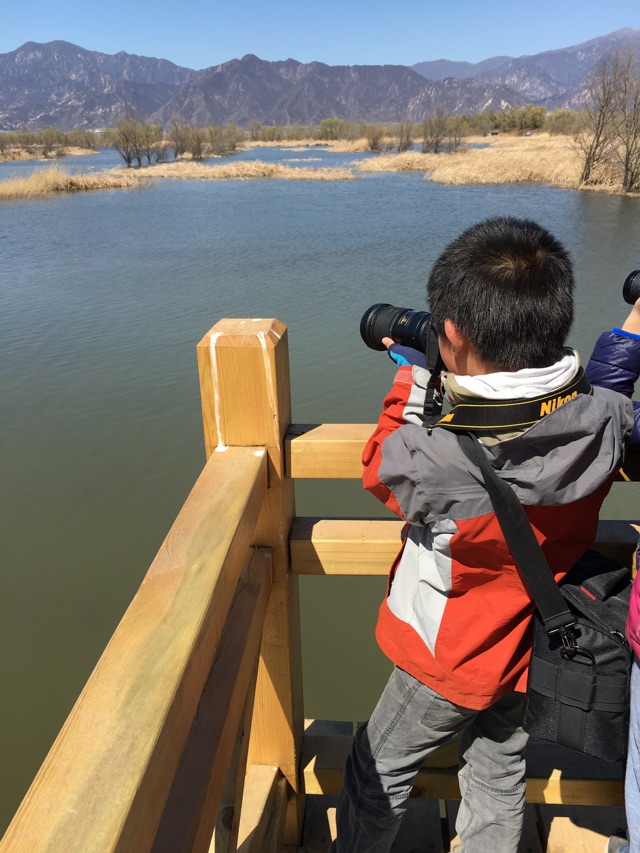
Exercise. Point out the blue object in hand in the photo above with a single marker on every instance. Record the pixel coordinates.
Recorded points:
(407, 355)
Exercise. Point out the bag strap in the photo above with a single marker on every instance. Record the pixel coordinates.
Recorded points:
(525, 549)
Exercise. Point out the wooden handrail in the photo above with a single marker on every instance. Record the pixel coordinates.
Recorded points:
(190, 814)
(105, 782)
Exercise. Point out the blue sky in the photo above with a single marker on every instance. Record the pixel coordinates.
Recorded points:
(197, 33)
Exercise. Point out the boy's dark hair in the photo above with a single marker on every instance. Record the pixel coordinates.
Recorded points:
(507, 285)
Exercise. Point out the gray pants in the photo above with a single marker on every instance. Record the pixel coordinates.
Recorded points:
(409, 722)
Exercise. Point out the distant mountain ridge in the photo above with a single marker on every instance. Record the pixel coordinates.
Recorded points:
(291, 92)
(554, 78)
(66, 86)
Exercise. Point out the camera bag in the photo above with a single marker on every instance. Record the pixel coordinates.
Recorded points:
(578, 686)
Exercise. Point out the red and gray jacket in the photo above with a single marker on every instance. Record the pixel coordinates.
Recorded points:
(457, 616)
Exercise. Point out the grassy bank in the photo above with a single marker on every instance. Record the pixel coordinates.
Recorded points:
(340, 146)
(13, 154)
(56, 180)
(544, 159)
(243, 169)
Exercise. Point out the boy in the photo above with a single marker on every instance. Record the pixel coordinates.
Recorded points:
(456, 619)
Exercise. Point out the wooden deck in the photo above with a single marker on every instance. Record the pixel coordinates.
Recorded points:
(554, 829)
(429, 825)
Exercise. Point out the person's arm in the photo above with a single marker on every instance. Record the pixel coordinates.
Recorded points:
(632, 323)
(403, 404)
(615, 363)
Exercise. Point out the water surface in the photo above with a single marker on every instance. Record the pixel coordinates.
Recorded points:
(104, 297)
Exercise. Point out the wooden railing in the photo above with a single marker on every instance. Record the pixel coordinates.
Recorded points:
(188, 735)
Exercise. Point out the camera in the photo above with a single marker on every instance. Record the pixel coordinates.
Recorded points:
(405, 326)
(631, 287)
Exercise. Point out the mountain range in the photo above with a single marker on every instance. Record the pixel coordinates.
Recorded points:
(68, 87)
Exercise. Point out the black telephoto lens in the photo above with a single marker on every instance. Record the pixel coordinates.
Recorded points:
(378, 323)
(631, 287)
(405, 326)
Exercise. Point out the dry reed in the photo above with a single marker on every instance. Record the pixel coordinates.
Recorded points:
(408, 161)
(56, 180)
(339, 146)
(36, 153)
(243, 170)
(507, 160)
(349, 146)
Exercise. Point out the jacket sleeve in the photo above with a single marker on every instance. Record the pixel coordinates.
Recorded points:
(615, 364)
(403, 405)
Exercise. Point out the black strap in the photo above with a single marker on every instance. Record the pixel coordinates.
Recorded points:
(489, 415)
(527, 553)
(433, 399)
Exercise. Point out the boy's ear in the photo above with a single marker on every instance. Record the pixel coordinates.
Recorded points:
(456, 338)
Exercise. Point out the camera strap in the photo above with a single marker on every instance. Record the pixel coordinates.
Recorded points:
(433, 397)
(491, 415)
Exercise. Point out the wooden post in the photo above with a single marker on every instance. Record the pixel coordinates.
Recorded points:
(244, 382)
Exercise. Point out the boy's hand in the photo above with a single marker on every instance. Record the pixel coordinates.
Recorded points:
(632, 323)
(405, 355)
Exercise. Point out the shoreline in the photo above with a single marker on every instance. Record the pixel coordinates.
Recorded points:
(539, 158)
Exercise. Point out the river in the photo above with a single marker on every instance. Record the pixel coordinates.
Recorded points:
(104, 296)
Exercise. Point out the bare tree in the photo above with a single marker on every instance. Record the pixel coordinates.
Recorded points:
(179, 138)
(405, 136)
(196, 141)
(150, 139)
(456, 126)
(626, 119)
(434, 131)
(594, 140)
(124, 139)
(374, 135)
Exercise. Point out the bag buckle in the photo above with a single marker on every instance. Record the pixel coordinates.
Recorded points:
(568, 639)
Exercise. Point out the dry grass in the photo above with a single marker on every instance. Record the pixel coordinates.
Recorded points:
(339, 146)
(12, 154)
(544, 159)
(553, 161)
(349, 146)
(408, 161)
(243, 170)
(56, 180)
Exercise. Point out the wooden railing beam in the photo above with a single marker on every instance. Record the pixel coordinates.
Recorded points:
(105, 782)
(362, 546)
(326, 451)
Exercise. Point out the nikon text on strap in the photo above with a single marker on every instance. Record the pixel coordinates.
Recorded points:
(487, 415)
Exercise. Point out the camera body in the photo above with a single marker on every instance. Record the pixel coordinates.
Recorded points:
(631, 287)
(404, 325)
